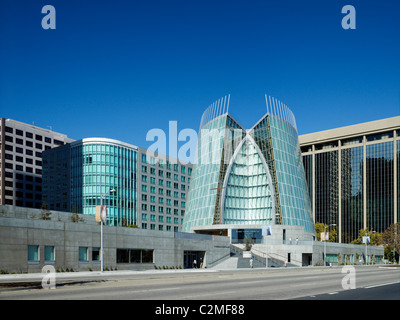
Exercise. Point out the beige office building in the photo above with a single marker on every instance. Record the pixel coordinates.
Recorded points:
(21, 147)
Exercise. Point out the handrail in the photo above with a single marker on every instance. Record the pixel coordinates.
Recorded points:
(270, 256)
(211, 264)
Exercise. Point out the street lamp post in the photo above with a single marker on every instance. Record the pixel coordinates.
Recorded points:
(331, 225)
(366, 250)
(266, 249)
(101, 228)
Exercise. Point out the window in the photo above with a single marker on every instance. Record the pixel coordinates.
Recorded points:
(134, 256)
(83, 254)
(58, 142)
(49, 256)
(33, 254)
(96, 254)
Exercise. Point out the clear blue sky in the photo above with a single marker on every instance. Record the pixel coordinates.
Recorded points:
(117, 69)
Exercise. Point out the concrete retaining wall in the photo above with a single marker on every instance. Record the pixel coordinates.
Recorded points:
(21, 227)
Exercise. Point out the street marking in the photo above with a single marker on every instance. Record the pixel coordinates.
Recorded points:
(157, 289)
(209, 294)
(380, 285)
(333, 293)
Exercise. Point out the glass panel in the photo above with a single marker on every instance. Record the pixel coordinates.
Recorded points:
(33, 253)
(83, 254)
(49, 253)
(96, 254)
(135, 256)
(147, 256)
(380, 196)
(122, 255)
(352, 193)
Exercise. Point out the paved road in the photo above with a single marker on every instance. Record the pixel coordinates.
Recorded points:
(248, 284)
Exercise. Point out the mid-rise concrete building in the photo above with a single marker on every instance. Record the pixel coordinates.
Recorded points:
(21, 148)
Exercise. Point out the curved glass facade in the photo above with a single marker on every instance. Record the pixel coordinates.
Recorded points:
(247, 197)
(98, 166)
(251, 176)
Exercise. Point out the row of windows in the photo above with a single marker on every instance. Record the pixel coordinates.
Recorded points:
(21, 194)
(168, 176)
(20, 150)
(19, 167)
(161, 199)
(20, 185)
(29, 143)
(29, 135)
(21, 203)
(160, 218)
(161, 209)
(160, 227)
(161, 190)
(9, 156)
(22, 177)
(350, 141)
(123, 255)
(160, 163)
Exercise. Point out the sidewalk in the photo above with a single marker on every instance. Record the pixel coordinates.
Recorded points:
(4, 278)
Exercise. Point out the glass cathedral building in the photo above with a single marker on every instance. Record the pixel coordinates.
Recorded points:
(248, 177)
(353, 175)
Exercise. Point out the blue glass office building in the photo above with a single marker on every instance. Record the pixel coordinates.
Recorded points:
(150, 190)
(248, 177)
(101, 165)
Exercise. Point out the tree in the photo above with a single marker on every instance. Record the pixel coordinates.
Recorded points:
(320, 227)
(248, 242)
(391, 238)
(375, 237)
(45, 213)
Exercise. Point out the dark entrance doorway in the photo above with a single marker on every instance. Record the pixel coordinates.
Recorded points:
(190, 256)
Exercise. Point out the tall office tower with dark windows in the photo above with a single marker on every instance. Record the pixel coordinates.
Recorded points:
(353, 176)
(21, 148)
(138, 187)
